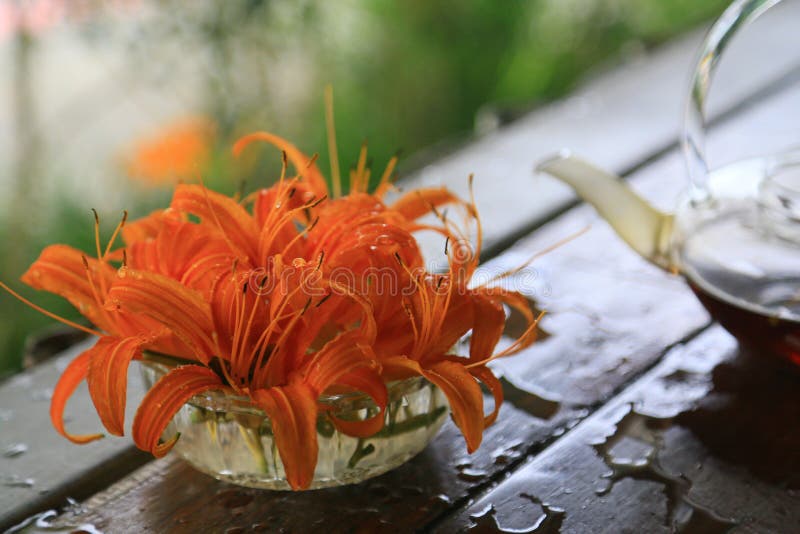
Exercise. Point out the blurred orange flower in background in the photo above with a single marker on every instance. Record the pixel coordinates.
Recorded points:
(177, 152)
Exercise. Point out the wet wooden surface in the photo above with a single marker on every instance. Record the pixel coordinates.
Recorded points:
(705, 442)
(600, 431)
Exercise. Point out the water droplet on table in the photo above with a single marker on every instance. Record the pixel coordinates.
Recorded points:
(21, 381)
(14, 450)
(15, 481)
(470, 474)
(42, 394)
(507, 454)
(631, 451)
(549, 521)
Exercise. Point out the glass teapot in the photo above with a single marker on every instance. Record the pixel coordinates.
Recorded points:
(735, 236)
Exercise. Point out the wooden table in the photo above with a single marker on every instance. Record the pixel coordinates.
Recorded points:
(634, 414)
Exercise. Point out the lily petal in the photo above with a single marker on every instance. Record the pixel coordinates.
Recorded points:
(108, 378)
(301, 162)
(162, 402)
(417, 203)
(490, 321)
(293, 411)
(175, 306)
(485, 375)
(148, 226)
(60, 270)
(369, 382)
(72, 376)
(461, 390)
(338, 357)
(220, 212)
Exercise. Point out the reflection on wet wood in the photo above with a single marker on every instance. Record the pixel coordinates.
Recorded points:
(702, 443)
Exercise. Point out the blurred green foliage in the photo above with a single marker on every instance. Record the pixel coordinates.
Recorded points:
(407, 75)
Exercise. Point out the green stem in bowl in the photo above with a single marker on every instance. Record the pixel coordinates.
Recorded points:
(361, 452)
(414, 423)
(253, 440)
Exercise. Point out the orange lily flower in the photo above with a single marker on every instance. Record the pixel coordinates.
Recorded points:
(281, 297)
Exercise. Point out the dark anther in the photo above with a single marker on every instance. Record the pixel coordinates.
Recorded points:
(316, 203)
(96, 216)
(323, 299)
(446, 242)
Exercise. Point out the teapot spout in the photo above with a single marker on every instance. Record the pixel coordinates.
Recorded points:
(647, 230)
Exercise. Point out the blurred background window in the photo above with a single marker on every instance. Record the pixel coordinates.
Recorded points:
(106, 104)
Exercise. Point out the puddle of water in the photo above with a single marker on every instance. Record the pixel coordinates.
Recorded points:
(549, 522)
(47, 522)
(631, 451)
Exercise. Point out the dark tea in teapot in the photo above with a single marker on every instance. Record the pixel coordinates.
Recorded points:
(753, 327)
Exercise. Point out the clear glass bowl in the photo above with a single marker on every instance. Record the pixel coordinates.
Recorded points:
(231, 440)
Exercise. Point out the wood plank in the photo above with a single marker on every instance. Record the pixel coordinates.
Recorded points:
(611, 317)
(38, 468)
(618, 120)
(704, 442)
